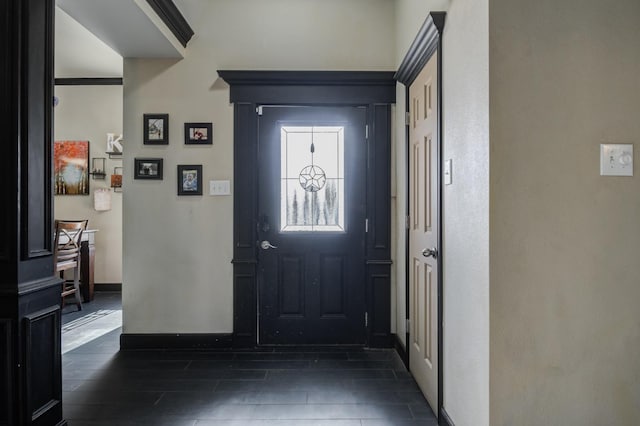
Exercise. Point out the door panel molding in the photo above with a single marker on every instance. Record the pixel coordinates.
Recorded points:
(291, 270)
(30, 363)
(251, 89)
(310, 324)
(427, 42)
(42, 358)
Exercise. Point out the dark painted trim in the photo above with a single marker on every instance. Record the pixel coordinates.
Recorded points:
(244, 261)
(107, 287)
(445, 419)
(307, 78)
(6, 385)
(34, 344)
(131, 341)
(310, 87)
(400, 349)
(252, 89)
(427, 42)
(31, 387)
(423, 46)
(379, 262)
(440, 228)
(101, 81)
(173, 19)
(407, 271)
(38, 285)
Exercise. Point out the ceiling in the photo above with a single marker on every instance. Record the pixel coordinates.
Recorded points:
(129, 27)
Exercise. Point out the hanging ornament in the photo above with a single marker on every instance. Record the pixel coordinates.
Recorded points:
(312, 178)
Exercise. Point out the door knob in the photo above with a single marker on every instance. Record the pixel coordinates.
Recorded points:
(266, 245)
(430, 252)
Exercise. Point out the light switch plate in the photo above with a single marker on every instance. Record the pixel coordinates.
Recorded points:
(616, 159)
(219, 187)
(448, 171)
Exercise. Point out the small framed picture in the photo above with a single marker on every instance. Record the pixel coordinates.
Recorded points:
(148, 168)
(156, 129)
(189, 179)
(198, 133)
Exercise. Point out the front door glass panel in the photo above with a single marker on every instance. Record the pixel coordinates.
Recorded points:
(312, 179)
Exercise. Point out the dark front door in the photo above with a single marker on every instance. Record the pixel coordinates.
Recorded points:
(311, 203)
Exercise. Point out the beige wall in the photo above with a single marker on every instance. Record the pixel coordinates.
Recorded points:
(180, 279)
(79, 53)
(89, 113)
(466, 215)
(565, 242)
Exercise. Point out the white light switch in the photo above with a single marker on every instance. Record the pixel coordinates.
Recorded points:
(448, 171)
(219, 187)
(616, 159)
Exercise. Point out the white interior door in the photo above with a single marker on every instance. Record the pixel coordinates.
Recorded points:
(423, 232)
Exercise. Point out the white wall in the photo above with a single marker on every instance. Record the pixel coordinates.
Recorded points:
(565, 241)
(178, 275)
(466, 203)
(89, 113)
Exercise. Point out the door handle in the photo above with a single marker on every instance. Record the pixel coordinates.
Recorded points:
(266, 245)
(430, 252)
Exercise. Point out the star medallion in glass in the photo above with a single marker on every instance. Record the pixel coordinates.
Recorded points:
(312, 178)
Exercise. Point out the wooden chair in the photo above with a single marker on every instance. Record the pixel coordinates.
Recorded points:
(66, 254)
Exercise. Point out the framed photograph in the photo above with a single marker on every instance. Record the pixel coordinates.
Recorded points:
(71, 167)
(189, 179)
(148, 168)
(198, 133)
(156, 129)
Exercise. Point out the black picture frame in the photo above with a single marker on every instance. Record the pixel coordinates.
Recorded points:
(198, 133)
(190, 185)
(148, 168)
(155, 129)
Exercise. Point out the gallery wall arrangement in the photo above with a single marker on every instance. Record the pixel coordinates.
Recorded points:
(156, 132)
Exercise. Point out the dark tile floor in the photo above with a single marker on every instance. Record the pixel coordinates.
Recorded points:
(310, 386)
(111, 300)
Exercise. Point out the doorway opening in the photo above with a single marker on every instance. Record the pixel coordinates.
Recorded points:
(421, 73)
(320, 275)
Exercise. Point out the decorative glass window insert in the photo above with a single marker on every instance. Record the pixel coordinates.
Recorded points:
(312, 178)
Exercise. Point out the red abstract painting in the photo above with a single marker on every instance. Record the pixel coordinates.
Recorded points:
(71, 167)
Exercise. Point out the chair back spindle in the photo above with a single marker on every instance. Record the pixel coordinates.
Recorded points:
(66, 255)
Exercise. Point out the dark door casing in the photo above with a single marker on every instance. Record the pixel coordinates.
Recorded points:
(30, 360)
(374, 90)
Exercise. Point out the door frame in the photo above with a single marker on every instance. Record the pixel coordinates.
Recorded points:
(249, 90)
(427, 42)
